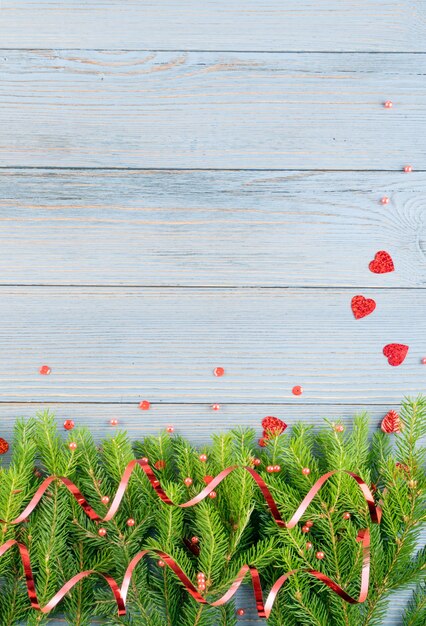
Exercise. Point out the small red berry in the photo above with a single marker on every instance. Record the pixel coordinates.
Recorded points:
(105, 499)
(144, 405)
(218, 371)
(144, 459)
(240, 612)
(201, 576)
(203, 458)
(306, 471)
(216, 407)
(408, 169)
(277, 468)
(297, 390)
(45, 370)
(208, 479)
(270, 469)
(346, 516)
(170, 429)
(309, 545)
(188, 481)
(385, 200)
(72, 445)
(305, 529)
(309, 523)
(320, 554)
(102, 532)
(69, 424)
(212, 494)
(388, 104)
(194, 540)
(113, 422)
(201, 586)
(161, 563)
(339, 428)
(257, 462)
(424, 361)
(130, 522)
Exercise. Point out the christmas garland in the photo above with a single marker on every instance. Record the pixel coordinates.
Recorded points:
(232, 525)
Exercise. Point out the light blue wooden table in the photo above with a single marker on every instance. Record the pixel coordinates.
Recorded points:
(187, 184)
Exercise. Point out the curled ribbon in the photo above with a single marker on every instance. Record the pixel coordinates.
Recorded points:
(120, 593)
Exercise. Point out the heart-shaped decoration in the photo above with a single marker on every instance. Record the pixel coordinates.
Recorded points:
(382, 263)
(391, 423)
(395, 353)
(362, 306)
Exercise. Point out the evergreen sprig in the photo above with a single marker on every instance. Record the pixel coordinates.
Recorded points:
(233, 529)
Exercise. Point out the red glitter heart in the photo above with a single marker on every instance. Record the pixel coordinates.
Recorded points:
(382, 263)
(272, 425)
(391, 423)
(395, 353)
(362, 306)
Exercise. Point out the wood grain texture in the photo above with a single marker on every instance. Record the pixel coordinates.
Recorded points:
(212, 110)
(208, 228)
(162, 344)
(390, 25)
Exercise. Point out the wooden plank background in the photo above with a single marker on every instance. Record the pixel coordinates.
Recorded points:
(189, 184)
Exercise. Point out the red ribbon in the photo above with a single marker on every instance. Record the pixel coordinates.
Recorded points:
(120, 594)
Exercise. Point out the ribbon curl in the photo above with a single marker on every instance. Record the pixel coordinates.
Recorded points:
(120, 593)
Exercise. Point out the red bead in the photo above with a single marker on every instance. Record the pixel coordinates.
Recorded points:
(257, 462)
(320, 555)
(240, 612)
(201, 576)
(408, 168)
(262, 442)
(388, 104)
(161, 563)
(113, 422)
(144, 405)
(188, 481)
(45, 370)
(208, 479)
(203, 458)
(305, 529)
(105, 499)
(277, 468)
(194, 540)
(339, 428)
(130, 522)
(424, 361)
(218, 371)
(346, 516)
(102, 532)
(170, 429)
(69, 424)
(309, 523)
(4, 446)
(72, 445)
(309, 545)
(306, 471)
(201, 586)
(385, 200)
(297, 390)
(212, 494)
(270, 469)
(216, 407)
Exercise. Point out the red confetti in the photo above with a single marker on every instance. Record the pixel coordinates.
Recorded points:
(395, 353)
(272, 426)
(4, 446)
(45, 370)
(361, 307)
(391, 423)
(144, 405)
(382, 263)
